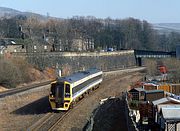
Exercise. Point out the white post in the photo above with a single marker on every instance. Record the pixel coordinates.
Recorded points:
(59, 73)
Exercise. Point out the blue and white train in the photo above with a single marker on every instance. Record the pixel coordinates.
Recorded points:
(65, 91)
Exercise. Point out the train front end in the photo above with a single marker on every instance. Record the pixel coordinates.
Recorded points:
(60, 96)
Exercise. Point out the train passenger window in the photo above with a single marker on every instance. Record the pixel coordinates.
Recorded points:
(67, 90)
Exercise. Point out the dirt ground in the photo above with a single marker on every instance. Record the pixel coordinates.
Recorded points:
(21, 111)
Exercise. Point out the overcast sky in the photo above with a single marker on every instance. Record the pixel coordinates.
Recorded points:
(154, 11)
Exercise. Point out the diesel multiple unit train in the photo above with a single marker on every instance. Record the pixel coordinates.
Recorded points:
(65, 91)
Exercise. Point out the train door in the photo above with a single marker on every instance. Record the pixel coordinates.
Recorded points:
(67, 95)
(67, 91)
(59, 96)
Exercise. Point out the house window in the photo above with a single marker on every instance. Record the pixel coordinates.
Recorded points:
(45, 47)
(35, 47)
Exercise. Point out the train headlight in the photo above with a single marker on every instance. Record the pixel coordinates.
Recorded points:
(51, 95)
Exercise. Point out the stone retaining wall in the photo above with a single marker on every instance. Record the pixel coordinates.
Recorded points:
(74, 61)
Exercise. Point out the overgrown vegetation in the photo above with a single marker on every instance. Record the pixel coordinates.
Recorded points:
(134, 104)
(151, 65)
(13, 72)
(172, 64)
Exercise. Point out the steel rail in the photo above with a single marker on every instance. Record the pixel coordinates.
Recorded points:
(22, 89)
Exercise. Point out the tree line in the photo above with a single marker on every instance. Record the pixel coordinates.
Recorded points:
(106, 33)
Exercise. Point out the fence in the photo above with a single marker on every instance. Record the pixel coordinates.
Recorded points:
(131, 125)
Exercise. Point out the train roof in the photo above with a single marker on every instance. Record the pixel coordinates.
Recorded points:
(79, 75)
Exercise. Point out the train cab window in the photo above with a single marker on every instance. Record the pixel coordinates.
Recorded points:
(67, 90)
(57, 90)
(53, 89)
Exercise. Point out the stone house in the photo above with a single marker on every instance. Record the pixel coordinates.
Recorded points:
(10, 46)
(15, 48)
(81, 44)
(40, 46)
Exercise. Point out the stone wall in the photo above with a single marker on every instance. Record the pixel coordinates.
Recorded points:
(74, 61)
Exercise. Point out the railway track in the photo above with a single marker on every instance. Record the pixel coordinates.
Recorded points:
(51, 120)
(22, 89)
(47, 122)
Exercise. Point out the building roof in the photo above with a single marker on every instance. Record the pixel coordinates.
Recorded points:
(177, 84)
(15, 44)
(164, 100)
(171, 113)
(159, 107)
(153, 91)
(136, 89)
(150, 84)
(2, 43)
(6, 41)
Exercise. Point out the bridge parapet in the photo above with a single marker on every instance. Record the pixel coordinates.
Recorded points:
(152, 54)
(139, 54)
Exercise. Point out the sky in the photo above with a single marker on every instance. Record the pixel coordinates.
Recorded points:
(154, 11)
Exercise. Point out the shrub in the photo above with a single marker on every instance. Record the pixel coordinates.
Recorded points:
(13, 72)
(134, 104)
(151, 67)
(173, 67)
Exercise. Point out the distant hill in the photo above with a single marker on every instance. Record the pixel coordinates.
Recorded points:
(9, 13)
(167, 27)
